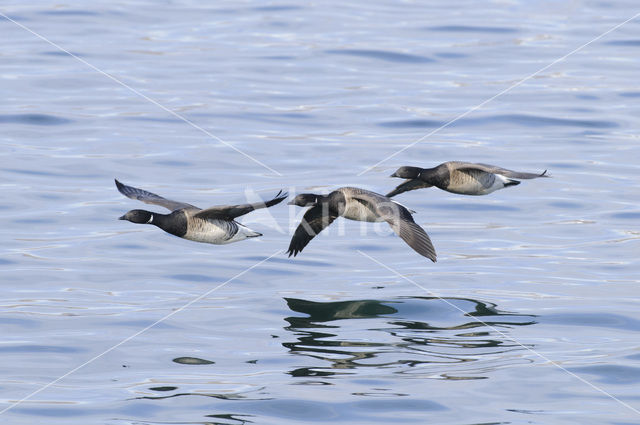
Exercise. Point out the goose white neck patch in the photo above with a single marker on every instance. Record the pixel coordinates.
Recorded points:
(150, 219)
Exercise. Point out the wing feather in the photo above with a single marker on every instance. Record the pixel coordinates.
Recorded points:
(232, 211)
(313, 222)
(408, 185)
(402, 223)
(505, 172)
(150, 198)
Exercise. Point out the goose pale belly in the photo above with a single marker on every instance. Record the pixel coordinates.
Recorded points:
(475, 183)
(211, 231)
(358, 212)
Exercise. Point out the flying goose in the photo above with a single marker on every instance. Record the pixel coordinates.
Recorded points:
(465, 178)
(215, 225)
(360, 205)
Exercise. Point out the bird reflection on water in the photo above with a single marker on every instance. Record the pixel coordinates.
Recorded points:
(416, 335)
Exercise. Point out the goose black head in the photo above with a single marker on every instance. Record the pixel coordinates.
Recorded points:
(138, 216)
(407, 172)
(305, 200)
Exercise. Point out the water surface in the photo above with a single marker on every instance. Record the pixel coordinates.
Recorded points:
(529, 316)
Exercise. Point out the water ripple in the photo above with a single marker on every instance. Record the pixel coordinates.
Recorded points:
(612, 374)
(416, 331)
(512, 119)
(625, 43)
(382, 55)
(31, 348)
(470, 28)
(33, 119)
(604, 320)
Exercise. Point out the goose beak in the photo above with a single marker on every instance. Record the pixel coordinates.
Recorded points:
(393, 175)
(121, 218)
(290, 203)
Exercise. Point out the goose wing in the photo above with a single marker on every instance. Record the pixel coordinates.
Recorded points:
(502, 171)
(314, 221)
(401, 221)
(150, 198)
(229, 212)
(408, 185)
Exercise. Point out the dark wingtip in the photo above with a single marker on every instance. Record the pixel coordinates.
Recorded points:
(280, 196)
(293, 251)
(544, 174)
(431, 255)
(120, 186)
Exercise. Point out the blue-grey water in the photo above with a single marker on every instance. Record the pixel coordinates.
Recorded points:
(530, 315)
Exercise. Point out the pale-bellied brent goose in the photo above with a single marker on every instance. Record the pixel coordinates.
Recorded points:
(464, 178)
(215, 225)
(360, 205)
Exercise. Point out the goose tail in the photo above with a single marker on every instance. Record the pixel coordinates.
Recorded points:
(248, 233)
(242, 234)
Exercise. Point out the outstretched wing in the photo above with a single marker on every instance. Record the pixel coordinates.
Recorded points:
(313, 222)
(408, 185)
(230, 212)
(409, 231)
(150, 198)
(503, 171)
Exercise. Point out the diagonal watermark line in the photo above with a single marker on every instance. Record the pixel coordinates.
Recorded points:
(142, 95)
(129, 338)
(508, 89)
(504, 335)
